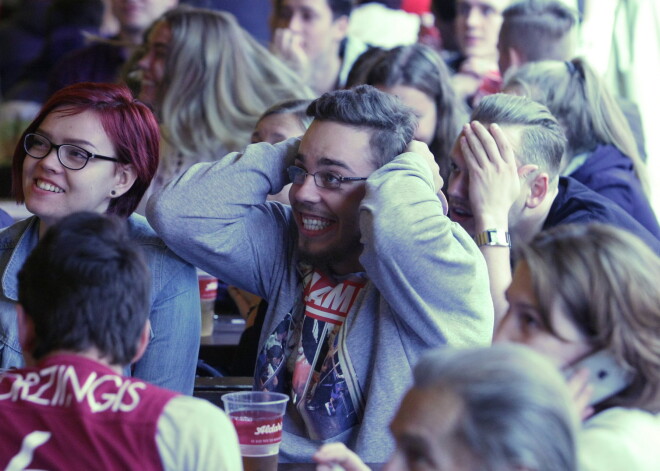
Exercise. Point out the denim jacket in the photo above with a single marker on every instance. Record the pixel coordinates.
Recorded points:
(171, 357)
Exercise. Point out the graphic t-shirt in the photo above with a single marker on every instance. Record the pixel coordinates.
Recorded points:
(305, 358)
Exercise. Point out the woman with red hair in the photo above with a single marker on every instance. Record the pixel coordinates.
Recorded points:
(92, 147)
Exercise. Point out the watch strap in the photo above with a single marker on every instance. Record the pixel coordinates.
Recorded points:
(493, 237)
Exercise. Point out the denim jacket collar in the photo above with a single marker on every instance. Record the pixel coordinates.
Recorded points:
(20, 238)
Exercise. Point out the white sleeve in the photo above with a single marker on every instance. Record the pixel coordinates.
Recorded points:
(620, 439)
(193, 434)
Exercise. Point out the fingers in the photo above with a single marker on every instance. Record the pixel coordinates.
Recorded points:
(502, 142)
(581, 391)
(335, 456)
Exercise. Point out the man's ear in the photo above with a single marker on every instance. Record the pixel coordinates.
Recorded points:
(26, 334)
(124, 179)
(143, 341)
(516, 58)
(340, 28)
(538, 182)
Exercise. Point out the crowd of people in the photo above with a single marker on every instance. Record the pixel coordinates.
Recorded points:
(445, 250)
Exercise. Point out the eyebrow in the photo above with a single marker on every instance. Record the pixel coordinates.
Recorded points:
(327, 162)
(73, 141)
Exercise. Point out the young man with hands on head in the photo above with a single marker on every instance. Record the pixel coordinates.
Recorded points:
(363, 270)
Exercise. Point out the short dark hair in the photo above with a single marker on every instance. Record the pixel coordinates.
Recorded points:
(86, 285)
(391, 123)
(418, 66)
(339, 8)
(542, 139)
(539, 29)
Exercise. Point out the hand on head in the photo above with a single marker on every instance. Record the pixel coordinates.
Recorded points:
(493, 170)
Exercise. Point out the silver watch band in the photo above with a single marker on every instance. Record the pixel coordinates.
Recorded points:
(493, 237)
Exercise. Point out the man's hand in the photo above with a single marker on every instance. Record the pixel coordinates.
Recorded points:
(287, 45)
(423, 151)
(335, 457)
(493, 170)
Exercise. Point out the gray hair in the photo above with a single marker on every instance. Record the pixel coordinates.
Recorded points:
(516, 411)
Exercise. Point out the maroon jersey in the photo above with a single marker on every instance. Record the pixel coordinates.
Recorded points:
(71, 412)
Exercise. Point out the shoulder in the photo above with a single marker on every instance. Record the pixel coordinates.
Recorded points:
(141, 232)
(192, 433)
(164, 263)
(11, 235)
(620, 438)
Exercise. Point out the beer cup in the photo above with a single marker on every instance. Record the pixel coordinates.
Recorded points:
(208, 290)
(257, 417)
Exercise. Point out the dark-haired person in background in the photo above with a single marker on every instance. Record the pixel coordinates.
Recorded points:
(311, 37)
(83, 314)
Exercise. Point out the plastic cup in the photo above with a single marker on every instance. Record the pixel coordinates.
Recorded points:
(208, 290)
(257, 417)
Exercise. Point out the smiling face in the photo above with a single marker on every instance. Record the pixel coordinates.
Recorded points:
(152, 64)
(478, 25)
(52, 191)
(327, 219)
(313, 22)
(523, 324)
(423, 106)
(424, 429)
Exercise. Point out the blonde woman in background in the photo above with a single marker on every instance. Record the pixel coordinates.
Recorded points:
(208, 82)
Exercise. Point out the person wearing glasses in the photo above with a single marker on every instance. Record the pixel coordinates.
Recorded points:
(92, 147)
(363, 272)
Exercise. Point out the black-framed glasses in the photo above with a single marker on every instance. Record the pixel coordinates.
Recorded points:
(69, 155)
(322, 179)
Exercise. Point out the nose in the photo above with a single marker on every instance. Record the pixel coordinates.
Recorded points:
(473, 17)
(458, 184)
(306, 192)
(145, 60)
(51, 162)
(296, 23)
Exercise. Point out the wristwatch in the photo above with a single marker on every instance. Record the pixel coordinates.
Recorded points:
(494, 237)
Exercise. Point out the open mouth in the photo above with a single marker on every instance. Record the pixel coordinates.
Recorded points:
(42, 185)
(314, 225)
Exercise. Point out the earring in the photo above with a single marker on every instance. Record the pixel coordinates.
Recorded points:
(113, 192)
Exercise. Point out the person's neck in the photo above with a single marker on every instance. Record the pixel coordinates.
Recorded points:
(325, 73)
(91, 354)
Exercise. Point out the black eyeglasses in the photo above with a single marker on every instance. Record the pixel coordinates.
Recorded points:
(70, 156)
(322, 179)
